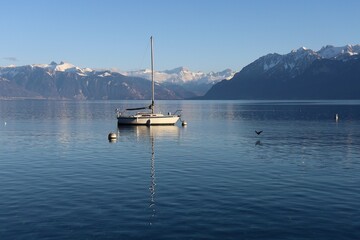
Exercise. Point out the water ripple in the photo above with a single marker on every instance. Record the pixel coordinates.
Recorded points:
(215, 179)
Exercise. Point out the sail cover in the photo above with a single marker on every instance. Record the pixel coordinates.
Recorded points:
(141, 108)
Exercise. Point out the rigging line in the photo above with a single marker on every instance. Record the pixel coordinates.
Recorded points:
(144, 55)
(141, 64)
(148, 65)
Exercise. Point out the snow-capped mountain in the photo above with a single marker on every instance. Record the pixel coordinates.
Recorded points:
(297, 60)
(182, 75)
(197, 82)
(331, 52)
(62, 67)
(179, 75)
(65, 80)
(332, 73)
(51, 69)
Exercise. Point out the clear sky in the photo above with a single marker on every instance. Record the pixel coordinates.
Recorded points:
(203, 35)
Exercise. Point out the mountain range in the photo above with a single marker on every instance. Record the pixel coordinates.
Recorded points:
(196, 82)
(330, 73)
(66, 81)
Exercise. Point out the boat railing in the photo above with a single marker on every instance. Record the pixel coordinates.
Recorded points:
(119, 112)
(178, 112)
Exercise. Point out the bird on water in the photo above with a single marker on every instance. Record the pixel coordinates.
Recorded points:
(258, 132)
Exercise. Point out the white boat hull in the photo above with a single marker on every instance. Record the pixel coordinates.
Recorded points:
(148, 119)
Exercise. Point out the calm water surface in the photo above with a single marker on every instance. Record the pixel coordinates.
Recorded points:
(60, 178)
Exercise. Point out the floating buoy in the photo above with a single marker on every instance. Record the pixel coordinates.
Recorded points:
(336, 117)
(183, 123)
(112, 136)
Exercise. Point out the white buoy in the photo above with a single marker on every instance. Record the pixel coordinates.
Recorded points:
(112, 136)
(5, 123)
(336, 117)
(183, 123)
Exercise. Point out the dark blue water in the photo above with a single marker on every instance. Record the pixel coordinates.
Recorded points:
(60, 178)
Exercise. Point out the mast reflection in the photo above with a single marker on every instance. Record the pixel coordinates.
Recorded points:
(152, 205)
(151, 134)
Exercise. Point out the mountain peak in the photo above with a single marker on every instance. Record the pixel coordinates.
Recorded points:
(301, 49)
(182, 75)
(330, 51)
(177, 70)
(65, 67)
(300, 74)
(327, 47)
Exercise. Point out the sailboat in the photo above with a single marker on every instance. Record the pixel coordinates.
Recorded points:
(148, 117)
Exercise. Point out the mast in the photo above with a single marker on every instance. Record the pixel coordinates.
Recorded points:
(152, 76)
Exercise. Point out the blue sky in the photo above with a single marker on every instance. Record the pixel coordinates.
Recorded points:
(202, 35)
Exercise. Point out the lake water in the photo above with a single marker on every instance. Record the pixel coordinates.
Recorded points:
(60, 177)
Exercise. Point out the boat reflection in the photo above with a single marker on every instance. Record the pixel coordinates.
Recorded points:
(146, 132)
(150, 133)
(152, 183)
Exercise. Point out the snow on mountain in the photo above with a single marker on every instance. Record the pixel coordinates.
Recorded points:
(330, 51)
(63, 67)
(87, 70)
(66, 67)
(270, 61)
(182, 75)
(297, 60)
(180, 80)
(105, 74)
(301, 53)
(292, 63)
(178, 76)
